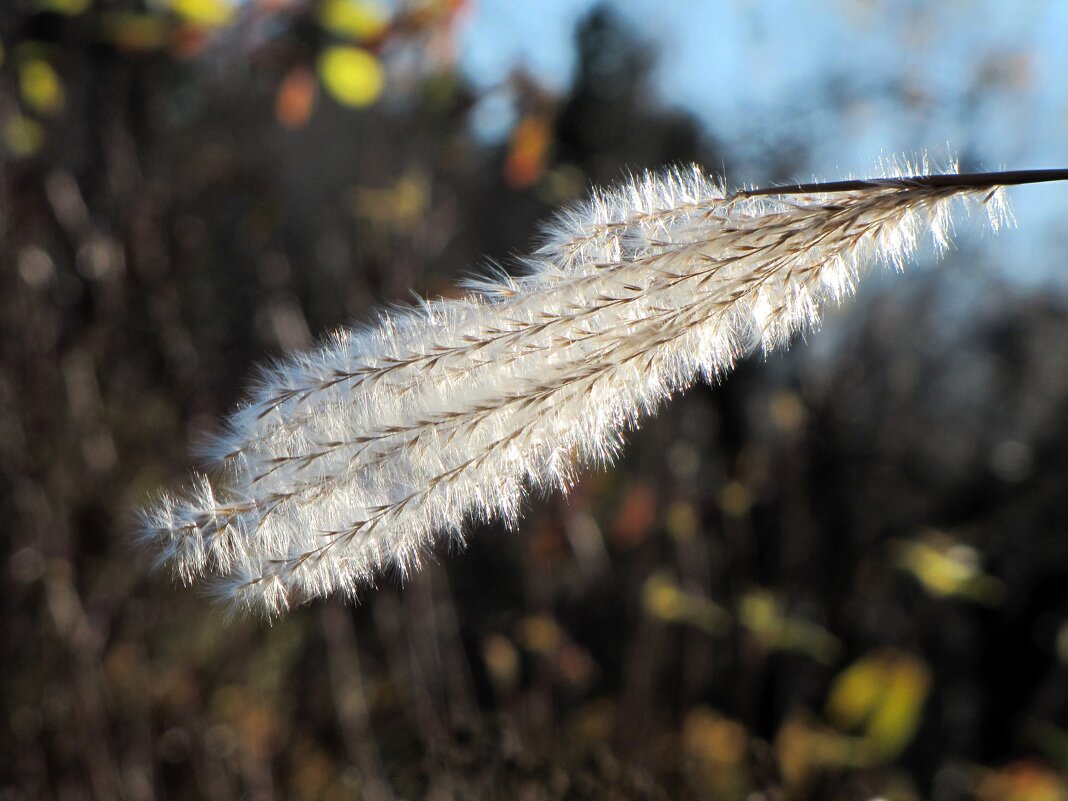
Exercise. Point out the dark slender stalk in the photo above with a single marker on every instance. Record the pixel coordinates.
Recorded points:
(975, 180)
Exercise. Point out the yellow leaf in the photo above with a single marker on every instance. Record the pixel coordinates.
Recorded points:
(760, 612)
(353, 18)
(663, 598)
(40, 86)
(883, 695)
(209, 13)
(69, 7)
(856, 692)
(898, 716)
(23, 136)
(947, 568)
(352, 75)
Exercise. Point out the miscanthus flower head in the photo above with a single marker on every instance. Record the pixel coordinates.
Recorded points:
(349, 461)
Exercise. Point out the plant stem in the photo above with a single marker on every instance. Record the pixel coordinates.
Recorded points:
(952, 181)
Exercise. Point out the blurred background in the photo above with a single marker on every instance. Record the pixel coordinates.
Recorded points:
(839, 575)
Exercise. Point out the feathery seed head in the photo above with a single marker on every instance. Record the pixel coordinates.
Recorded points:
(349, 461)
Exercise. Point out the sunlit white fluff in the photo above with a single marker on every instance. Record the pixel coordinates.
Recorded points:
(348, 461)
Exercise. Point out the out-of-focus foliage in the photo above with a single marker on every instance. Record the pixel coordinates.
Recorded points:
(40, 87)
(204, 13)
(346, 44)
(881, 695)
(838, 575)
(352, 75)
(354, 19)
(762, 615)
(948, 568)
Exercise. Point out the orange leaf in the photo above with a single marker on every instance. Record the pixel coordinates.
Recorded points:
(187, 41)
(296, 97)
(528, 152)
(637, 510)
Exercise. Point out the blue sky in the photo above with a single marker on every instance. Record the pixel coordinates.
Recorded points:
(981, 78)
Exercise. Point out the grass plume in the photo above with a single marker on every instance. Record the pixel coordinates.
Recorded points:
(348, 461)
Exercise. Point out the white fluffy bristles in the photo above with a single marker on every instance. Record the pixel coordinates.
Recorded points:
(350, 460)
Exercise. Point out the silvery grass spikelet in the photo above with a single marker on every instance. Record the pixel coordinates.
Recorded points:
(350, 461)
